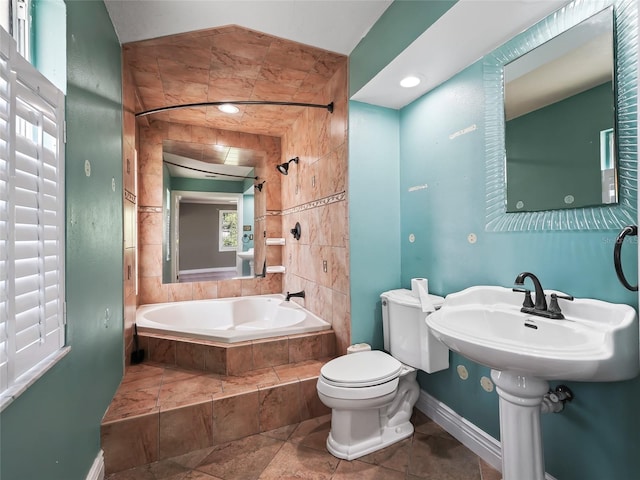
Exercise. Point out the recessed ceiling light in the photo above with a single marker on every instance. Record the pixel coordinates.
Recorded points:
(410, 81)
(228, 108)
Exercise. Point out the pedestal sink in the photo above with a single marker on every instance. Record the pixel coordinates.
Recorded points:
(597, 341)
(247, 255)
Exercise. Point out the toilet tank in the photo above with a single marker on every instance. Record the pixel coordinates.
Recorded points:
(406, 334)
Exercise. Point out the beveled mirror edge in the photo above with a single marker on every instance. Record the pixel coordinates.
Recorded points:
(595, 218)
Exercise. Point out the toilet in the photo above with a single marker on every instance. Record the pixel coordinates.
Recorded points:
(372, 393)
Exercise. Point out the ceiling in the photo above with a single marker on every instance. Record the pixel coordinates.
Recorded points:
(183, 51)
(229, 63)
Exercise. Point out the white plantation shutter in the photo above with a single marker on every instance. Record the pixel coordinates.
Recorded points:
(32, 217)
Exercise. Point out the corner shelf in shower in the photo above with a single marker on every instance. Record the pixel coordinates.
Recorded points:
(275, 241)
(276, 269)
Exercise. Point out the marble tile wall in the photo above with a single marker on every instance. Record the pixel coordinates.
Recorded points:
(314, 194)
(129, 171)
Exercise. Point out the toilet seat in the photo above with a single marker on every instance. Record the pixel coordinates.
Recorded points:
(362, 369)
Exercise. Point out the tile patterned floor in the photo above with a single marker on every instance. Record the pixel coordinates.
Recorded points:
(298, 452)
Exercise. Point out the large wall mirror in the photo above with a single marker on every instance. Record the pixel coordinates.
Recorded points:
(209, 211)
(560, 129)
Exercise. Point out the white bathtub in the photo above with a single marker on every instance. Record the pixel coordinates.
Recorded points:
(229, 319)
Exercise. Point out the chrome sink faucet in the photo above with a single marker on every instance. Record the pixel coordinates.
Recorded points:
(540, 308)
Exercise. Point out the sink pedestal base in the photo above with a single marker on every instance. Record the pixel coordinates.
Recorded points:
(520, 430)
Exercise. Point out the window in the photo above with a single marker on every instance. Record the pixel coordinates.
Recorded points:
(31, 222)
(228, 230)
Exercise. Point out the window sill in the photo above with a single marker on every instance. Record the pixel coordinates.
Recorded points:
(30, 377)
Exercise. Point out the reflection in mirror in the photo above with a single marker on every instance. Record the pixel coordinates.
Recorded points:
(613, 216)
(208, 205)
(560, 121)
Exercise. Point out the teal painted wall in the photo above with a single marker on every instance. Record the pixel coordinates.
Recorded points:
(400, 24)
(597, 435)
(374, 216)
(52, 431)
(555, 151)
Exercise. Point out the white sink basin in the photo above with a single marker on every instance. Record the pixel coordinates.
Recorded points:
(248, 255)
(597, 341)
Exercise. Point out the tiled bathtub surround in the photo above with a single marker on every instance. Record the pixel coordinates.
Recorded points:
(237, 358)
(298, 451)
(314, 194)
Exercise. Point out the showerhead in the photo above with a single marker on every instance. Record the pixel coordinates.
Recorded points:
(283, 168)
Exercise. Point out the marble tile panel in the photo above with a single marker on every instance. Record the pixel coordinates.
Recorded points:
(150, 260)
(306, 347)
(185, 429)
(130, 442)
(197, 389)
(190, 355)
(229, 288)
(215, 359)
(271, 284)
(132, 403)
(268, 353)
(150, 190)
(251, 380)
(245, 43)
(250, 286)
(162, 470)
(394, 457)
(357, 470)
(310, 404)
(313, 433)
(150, 378)
(239, 359)
(243, 459)
(235, 417)
(180, 132)
(447, 458)
(282, 433)
(300, 371)
(162, 350)
(301, 463)
(279, 406)
(151, 290)
(329, 343)
(341, 321)
(180, 292)
(340, 269)
(205, 290)
(339, 221)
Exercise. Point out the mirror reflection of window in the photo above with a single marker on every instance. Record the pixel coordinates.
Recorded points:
(228, 230)
(559, 97)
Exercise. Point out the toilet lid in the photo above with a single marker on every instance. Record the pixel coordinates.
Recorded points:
(361, 369)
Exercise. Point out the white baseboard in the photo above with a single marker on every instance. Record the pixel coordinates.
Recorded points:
(97, 469)
(472, 437)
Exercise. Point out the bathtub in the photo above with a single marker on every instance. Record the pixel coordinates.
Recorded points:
(229, 319)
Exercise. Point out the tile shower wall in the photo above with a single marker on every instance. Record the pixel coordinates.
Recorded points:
(314, 194)
(130, 192)
(151, 288)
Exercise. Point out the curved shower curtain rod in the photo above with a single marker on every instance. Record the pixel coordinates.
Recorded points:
(329, 106)
(206, 171)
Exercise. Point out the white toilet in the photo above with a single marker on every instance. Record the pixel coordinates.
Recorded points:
(372, 393)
